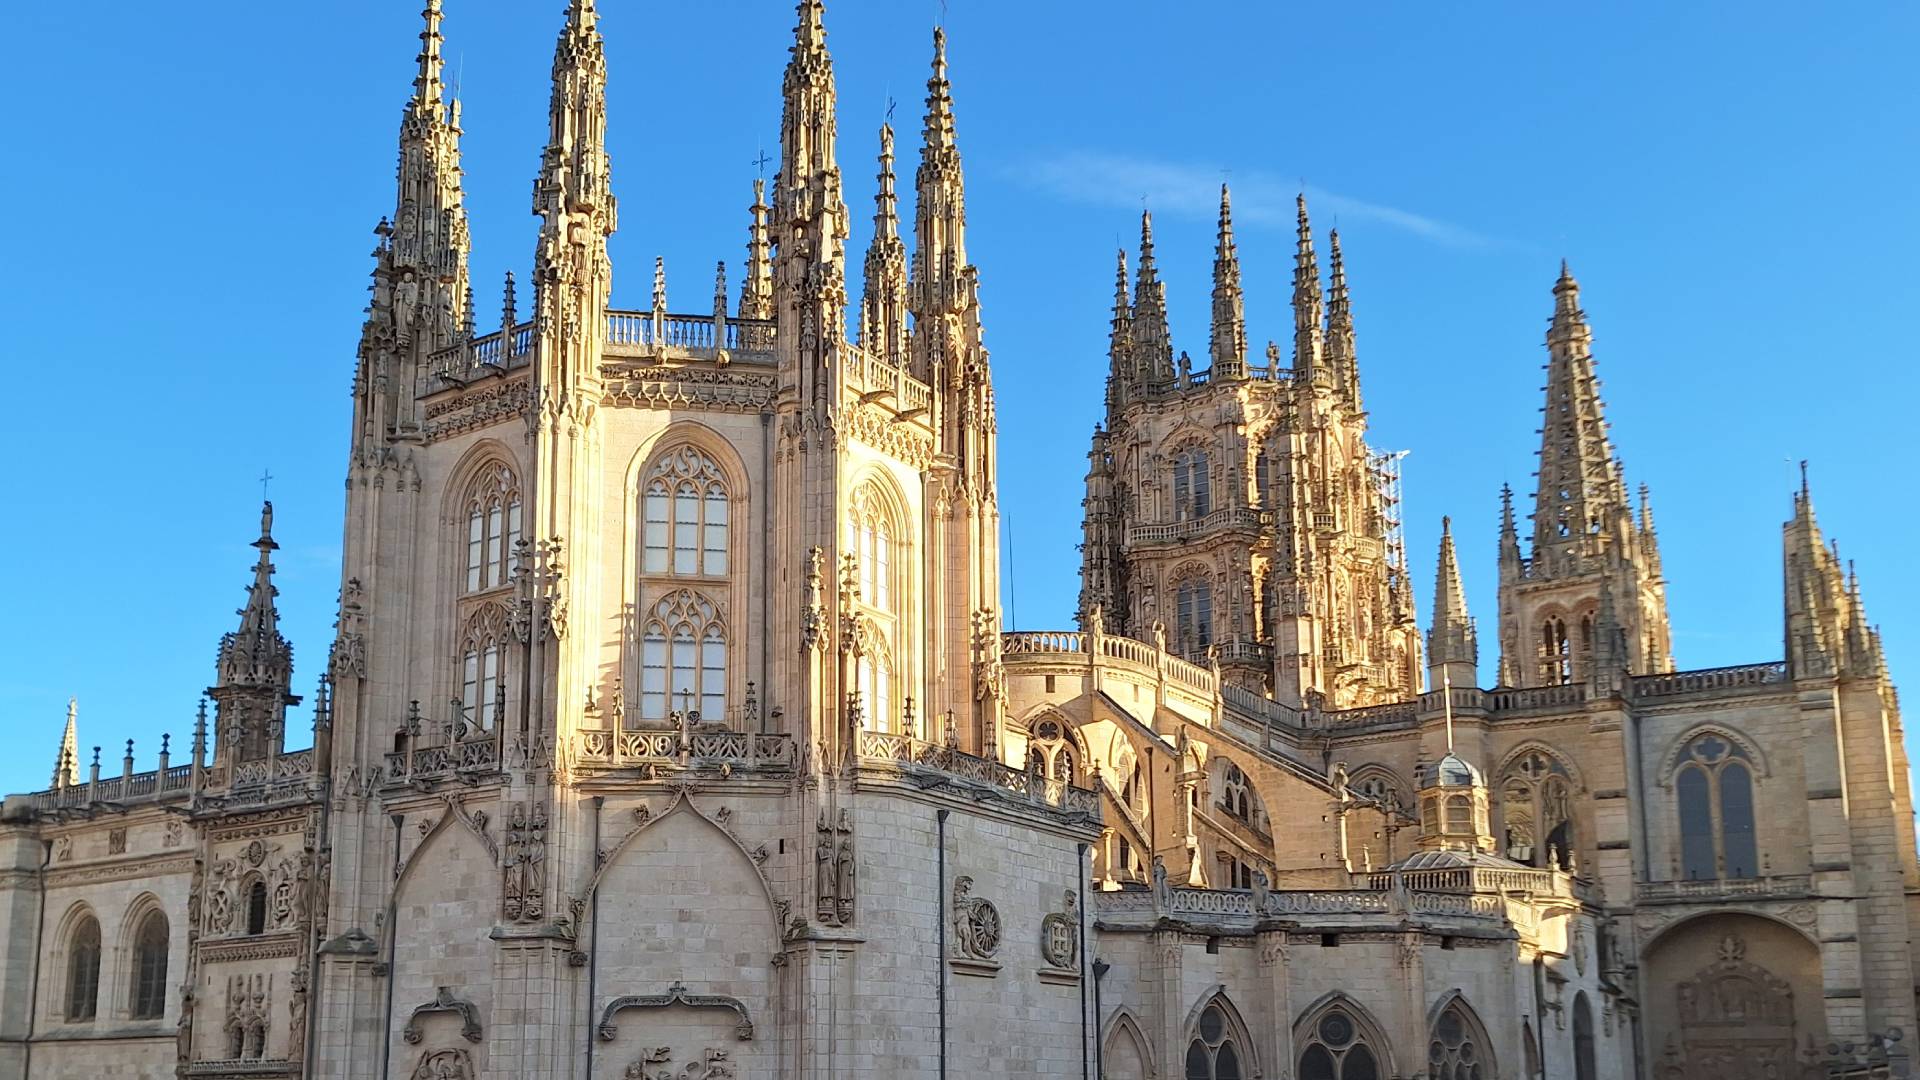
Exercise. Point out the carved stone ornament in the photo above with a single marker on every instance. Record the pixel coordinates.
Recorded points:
(1060, 935)
(712, 1063)
(834, 870)
(444, 1002)
(676, 995)
(63, 849)
(526, 864)
(453, 1064)
(976, 922)
(116, 841)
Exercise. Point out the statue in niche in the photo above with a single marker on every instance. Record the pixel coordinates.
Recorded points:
(826, 871)
(844, 871)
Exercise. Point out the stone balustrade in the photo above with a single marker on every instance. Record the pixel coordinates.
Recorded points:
(676, 749)
(1724, 890)
(990, 776)
(1232, 518)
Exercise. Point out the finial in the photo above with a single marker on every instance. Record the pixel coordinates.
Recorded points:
(659, 284)
(509, 305)
(1806, 495)
(427, 85)
(811, 31)
(720, 287)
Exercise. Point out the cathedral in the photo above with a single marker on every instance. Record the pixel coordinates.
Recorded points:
(669, 730)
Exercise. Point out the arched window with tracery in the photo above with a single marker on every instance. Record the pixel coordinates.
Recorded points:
(1215, 1052)
(483, 653)
(1263, 495)
(685, 515)
(683, 658)
(147, 995)
(83, 969)
(1714, 792)
(1585, 1060)
(1334, 1046)
(1192, 486)
(1536, 809)
(1556, 655)
(1457, 1048)
(875, 538)
(1193, 615)
(492, 508)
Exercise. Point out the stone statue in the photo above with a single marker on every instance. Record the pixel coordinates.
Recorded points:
(826, 870)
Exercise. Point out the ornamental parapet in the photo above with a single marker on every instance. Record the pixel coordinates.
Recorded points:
(1709, 680)
(676, 750)
(1243, 909)
(1724, 890)
(466, 758)
(1231, 519)
(159, 785)
(932, 764)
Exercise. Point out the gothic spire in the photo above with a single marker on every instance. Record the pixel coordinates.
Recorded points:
(1453, 650)
(1229, 351)
(1817, 595)
(1343, 361)
(940, 208)
(427, 85)
(1308, 369)
(66, 762)
(756, 289)
(576, 182)
(1120, 385)
(1580, 498)
(810, 213)
(1509, 533)
(883, 304)
(256, 654)
(1153, 343)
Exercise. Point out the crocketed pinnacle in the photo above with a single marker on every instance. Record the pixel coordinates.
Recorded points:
(256, 655)
(940, 270)
(1120, 339)
(66, 761)
(1229, 347)
(1152, 341)
(756, 290)
(428, 85)
(1343, 361)
(1308, 368)
(883, 303)
(1451, 639)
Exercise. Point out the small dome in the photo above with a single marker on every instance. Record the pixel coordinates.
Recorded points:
(1453, 771)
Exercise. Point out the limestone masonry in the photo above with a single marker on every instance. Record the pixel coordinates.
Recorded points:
(670, 733)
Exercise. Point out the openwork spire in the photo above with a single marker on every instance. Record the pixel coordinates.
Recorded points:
(940, 206)
(1308, 366)
(1581, 500)
(1152, 341)
(1229, 350)
(1120, 382)
(427, 86)
(756, 290)
(66, 762)
(809, 211)
(1343, 361)
(1451, 642)
(883, 304)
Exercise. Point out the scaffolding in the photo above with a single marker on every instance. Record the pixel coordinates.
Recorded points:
(1385, 467)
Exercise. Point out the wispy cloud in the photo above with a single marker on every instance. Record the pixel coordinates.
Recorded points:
(1258, 198)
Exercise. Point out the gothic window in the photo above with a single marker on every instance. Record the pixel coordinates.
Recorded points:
(1194, 615)
(1457, 1048)
(83, 969)
(1714, 789)
(1235, 798)
(1586, 642)
(1536, 808)
(1192, 487)
(683, 658)
(1335, 1047)
(1379, 788)
(684, 516)
(493, 528)
(1584, 1059)
(1263, 479)
(482, 669)
(875, 538)
(1556, 657)
(1215, 1052)
(257, 907)
(148, 1000)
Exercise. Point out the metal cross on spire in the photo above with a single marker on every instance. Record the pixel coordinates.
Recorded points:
(761, 161)
(266, 477)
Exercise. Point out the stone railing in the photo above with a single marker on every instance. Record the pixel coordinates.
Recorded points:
(1476, 879)
(689, 337)
(1031, 787)
(157, 784)
(1538, 697)
(873, 377)
(1246, 906)
(1674, 683)
(1141, 656)
(1219, 520)
(464, 756)
(632, 748)
(1236, 651)
(1259, 708)
(1719, 890)
(1392, 714)
(491, 354)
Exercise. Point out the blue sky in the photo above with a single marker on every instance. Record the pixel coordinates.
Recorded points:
(194, 188)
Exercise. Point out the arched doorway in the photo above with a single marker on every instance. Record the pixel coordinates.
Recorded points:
(1735, 996)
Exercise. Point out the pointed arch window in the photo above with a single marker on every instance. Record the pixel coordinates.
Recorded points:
(1263, 479)
(1457, 1048)
(257, 907)
(1194, 615)
(1215, 1052)
(1536, 809)
(1192, 485)
(482, 671)
(83, 970)
(1714, 793)
(876, 682)
(683, 658)
(1335, 1047)
(493, 528)
(685, 516)
(148, 996)
(1556, 654)
(875, 538)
